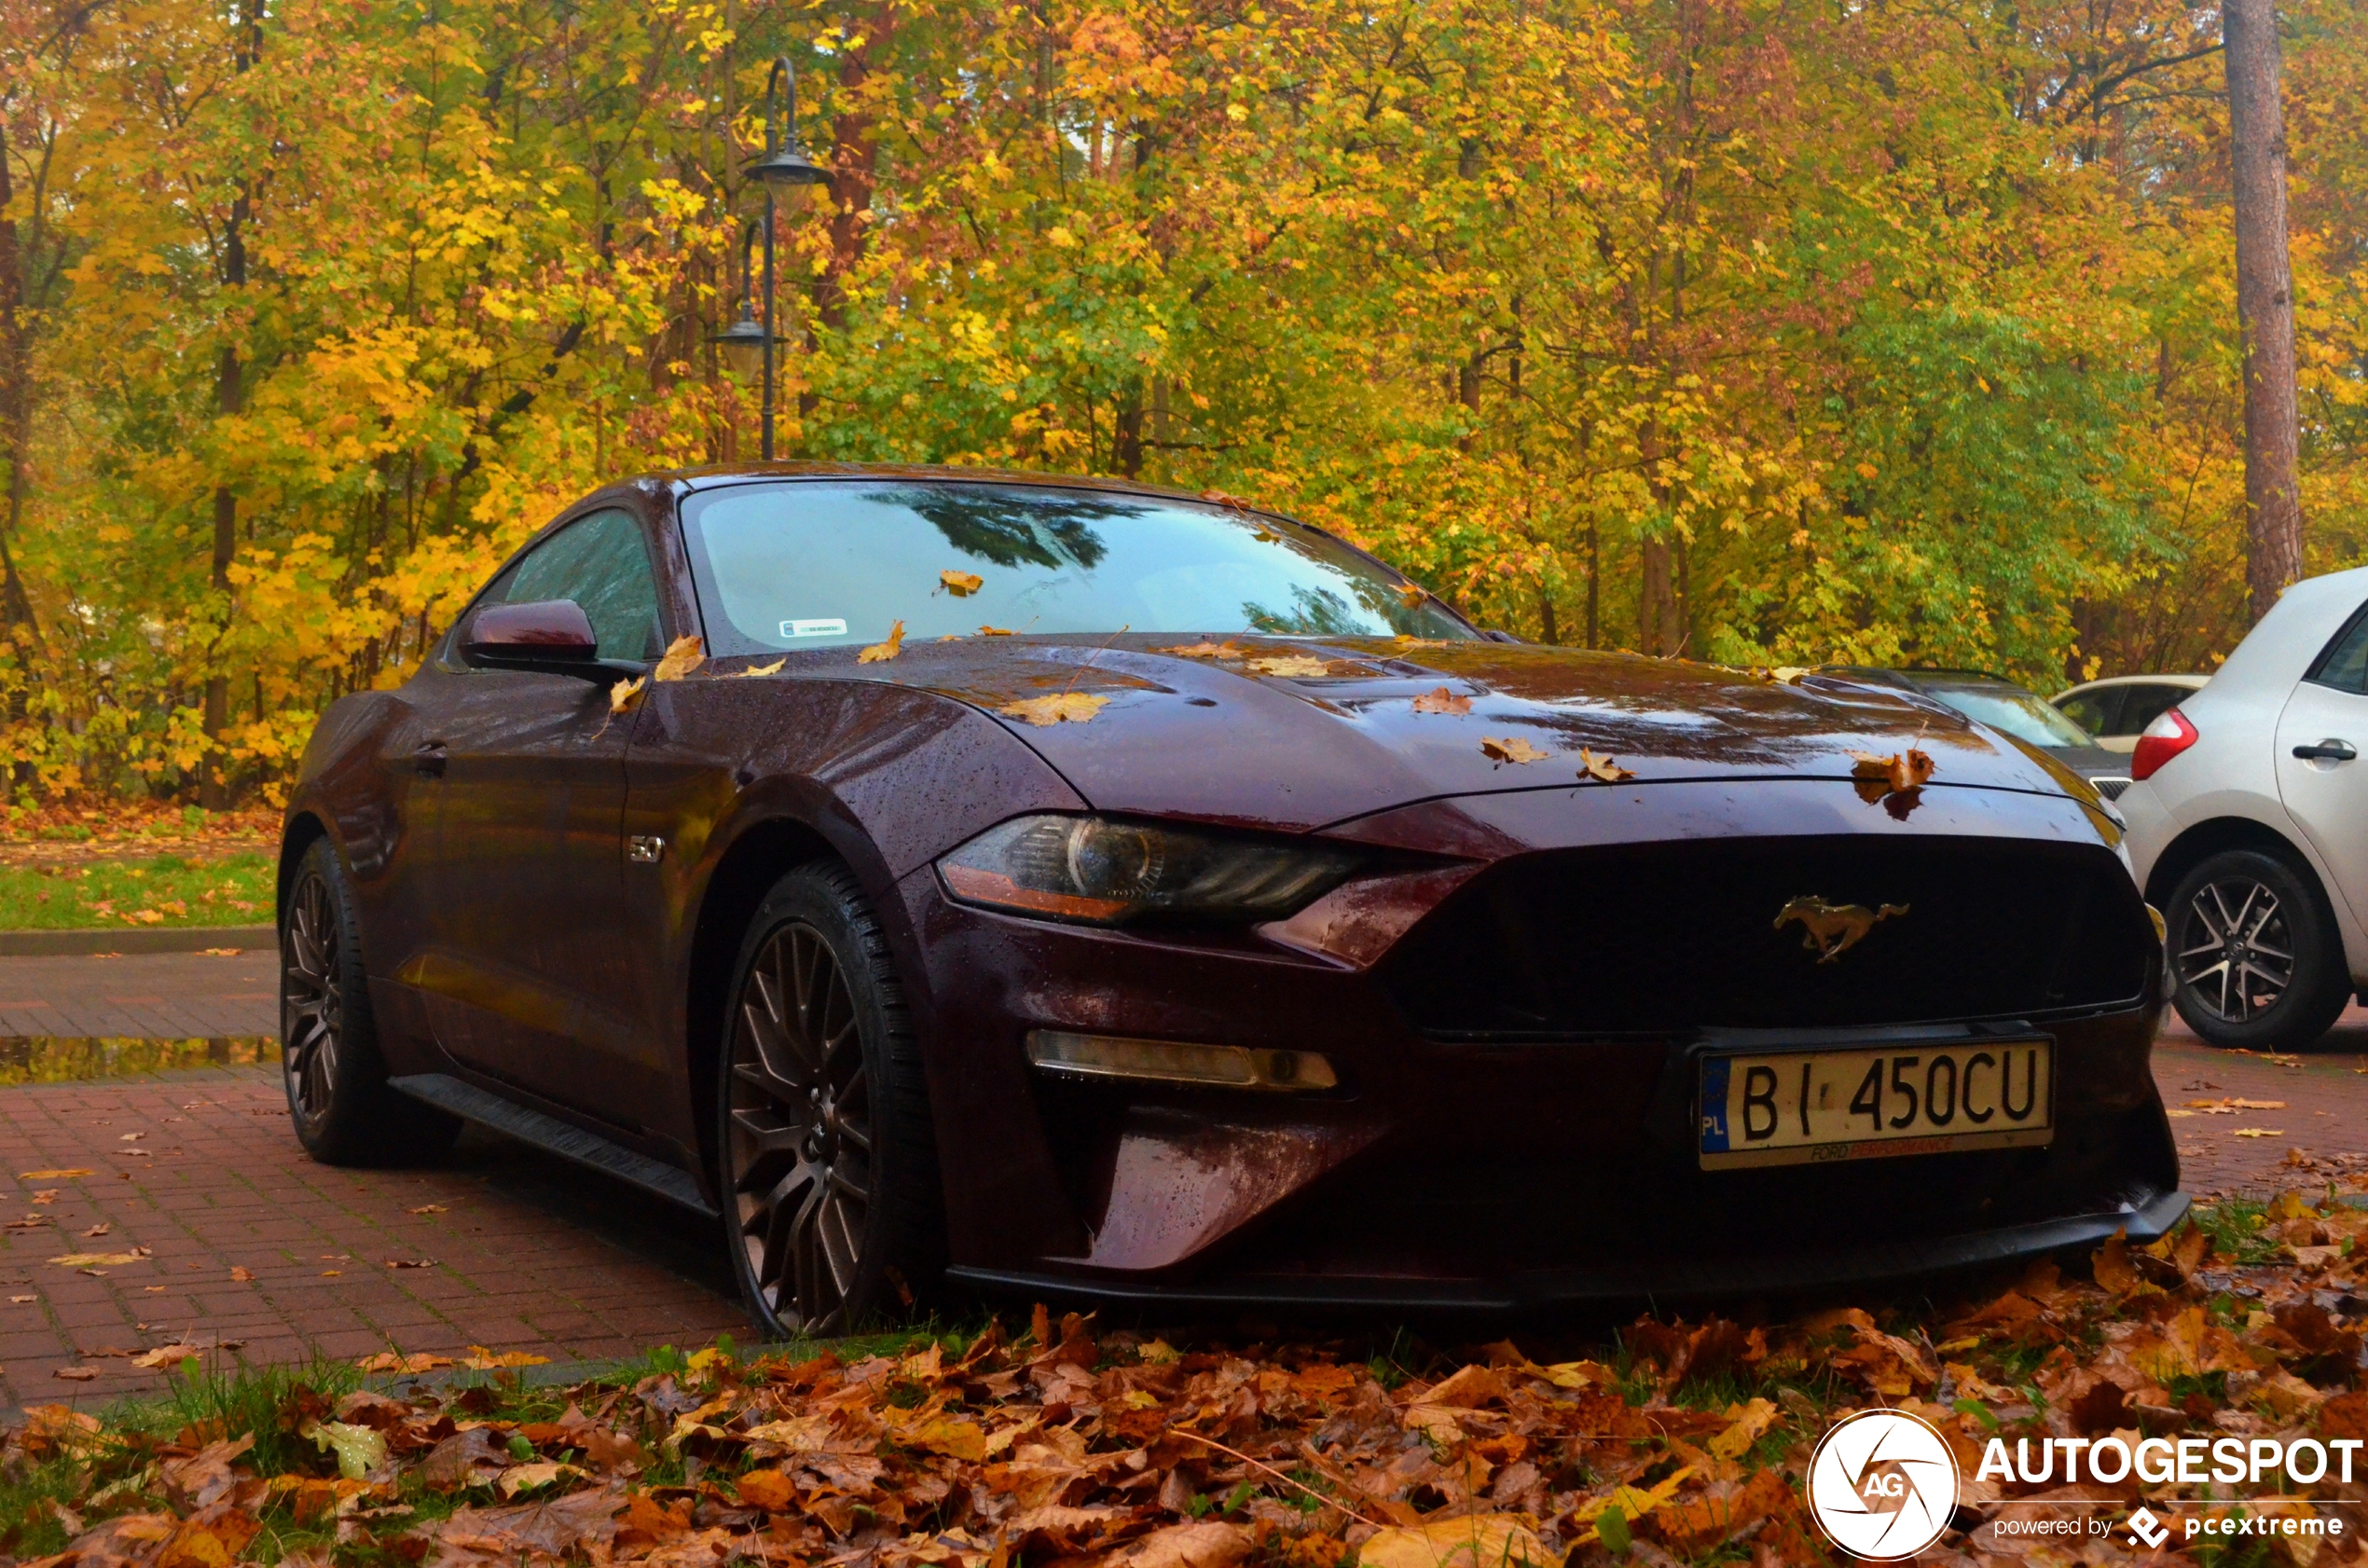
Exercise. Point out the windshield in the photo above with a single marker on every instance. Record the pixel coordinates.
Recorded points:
(2018, 713)
(825, 563)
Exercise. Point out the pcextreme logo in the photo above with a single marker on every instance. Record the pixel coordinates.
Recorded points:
(1882, 1485)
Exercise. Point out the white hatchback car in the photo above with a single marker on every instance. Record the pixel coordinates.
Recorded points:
(2248, 817)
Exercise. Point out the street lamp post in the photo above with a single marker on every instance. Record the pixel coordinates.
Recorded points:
(784, 161)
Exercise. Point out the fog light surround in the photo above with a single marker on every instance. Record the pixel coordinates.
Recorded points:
(1178, 1062)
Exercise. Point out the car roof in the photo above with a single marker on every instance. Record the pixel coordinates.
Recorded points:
(717, 474)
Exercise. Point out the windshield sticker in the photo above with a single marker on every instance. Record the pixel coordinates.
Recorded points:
(814, 629)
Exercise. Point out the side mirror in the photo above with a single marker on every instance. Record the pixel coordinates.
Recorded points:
(553, 636)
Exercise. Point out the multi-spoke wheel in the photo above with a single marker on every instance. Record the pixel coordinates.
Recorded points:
(831, 1174)
(338, 1094)
(311, 995)
(2254, 953)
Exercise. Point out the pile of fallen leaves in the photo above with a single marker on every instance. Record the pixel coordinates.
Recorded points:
(1066, 1444)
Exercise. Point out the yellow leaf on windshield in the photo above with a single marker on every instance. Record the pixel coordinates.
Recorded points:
(1413, 594)
(683, 655)
(880, 653)
(961, 584)
(1061, 707)
(1512, 750)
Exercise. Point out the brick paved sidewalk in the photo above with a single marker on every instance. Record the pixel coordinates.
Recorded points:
(530, 1253)
(151, 996)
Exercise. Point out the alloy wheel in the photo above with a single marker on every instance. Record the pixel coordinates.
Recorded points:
(311, 999)
(2239, 958)
(799, 1131)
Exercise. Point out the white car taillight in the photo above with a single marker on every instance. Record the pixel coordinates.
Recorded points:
(2160, 741)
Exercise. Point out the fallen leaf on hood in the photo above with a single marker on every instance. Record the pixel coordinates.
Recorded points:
(1411, 595)
(1470, 1541)
(100, 1260)
(621, 695)
(996, 631)
(49, 1175)
(1895, 774)
(961, 584)
(390, 1361)
(880, 653)
(1205, 649)
(1441, 700)
(1512, 750)
(1291, 666)
(1060, 708)
(773, 668)
(683, 655)
(1603, 768)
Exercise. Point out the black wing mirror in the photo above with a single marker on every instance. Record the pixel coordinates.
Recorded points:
(552, 636)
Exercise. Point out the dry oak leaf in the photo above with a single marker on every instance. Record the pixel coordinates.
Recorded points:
(100, 1260)
(1060, 708)
(946, 1434)
(1209, 1544)
(621, 695)
(773, 668)
(769, 1489)
(1695, 1526)
(123, 1539)
(1604, 768)
(961, 584)
(204, 1477)
(1513, 749)
(683, 655)
(1472, 1541)
(880, 653)
(1442, 700)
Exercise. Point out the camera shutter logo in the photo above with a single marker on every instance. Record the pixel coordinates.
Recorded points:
(1882, 1485)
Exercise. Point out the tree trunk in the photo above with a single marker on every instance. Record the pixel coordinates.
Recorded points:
(1660, 621)
(16, 397)
(2265, 303)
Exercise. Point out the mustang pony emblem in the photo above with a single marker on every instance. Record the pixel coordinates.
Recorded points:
(1831, 930)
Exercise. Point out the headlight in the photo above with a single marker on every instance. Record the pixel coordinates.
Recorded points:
(1106, 870)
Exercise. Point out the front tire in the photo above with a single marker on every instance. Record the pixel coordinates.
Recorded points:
(830, 1173)
(329, 1058)
(2254, 950)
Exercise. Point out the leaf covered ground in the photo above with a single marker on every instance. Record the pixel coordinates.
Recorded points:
(1065, 1441)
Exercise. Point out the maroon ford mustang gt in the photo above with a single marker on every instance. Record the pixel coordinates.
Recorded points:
(1079, 888)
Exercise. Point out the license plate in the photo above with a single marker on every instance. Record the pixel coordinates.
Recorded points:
(1799, 1108)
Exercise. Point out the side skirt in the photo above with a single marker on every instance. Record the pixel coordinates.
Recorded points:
(567, 1141)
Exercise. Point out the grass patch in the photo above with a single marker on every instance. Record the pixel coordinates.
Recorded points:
(175, 891)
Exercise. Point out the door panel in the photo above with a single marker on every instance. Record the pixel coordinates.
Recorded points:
(530, 979)
(2327, 795)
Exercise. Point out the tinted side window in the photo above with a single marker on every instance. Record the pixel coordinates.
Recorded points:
(2344, 665)
(599, 562)
(2147, 703)
(2094, 711)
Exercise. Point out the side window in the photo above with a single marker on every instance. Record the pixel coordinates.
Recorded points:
(2345, 664)
(599, 562)
(2147, 703)
(2094, 710)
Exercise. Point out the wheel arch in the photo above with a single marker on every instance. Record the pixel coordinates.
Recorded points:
(2204, 839)
(750, 866)
(303, 830)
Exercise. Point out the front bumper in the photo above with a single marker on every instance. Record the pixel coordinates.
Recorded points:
(1666, 1279)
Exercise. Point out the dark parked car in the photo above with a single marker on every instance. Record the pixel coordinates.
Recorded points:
(2017, 711)
(1077, 888)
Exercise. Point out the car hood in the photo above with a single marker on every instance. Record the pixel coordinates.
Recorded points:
(1297, 733)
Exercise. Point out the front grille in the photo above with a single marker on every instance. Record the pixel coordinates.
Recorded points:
(1669, 937)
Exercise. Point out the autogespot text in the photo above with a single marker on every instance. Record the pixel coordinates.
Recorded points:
(2168, 1462)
